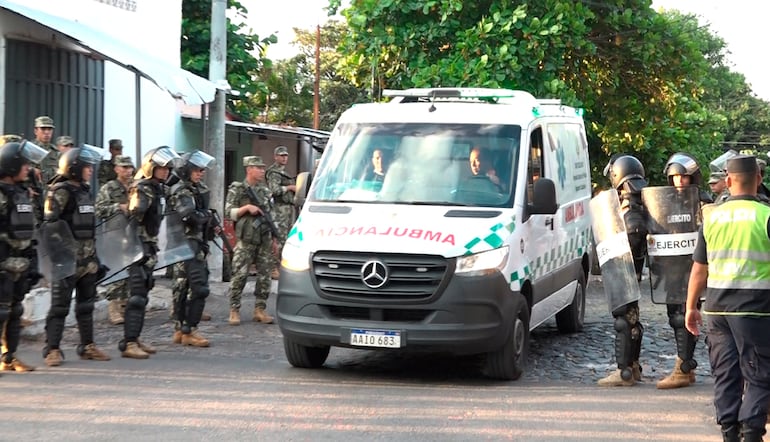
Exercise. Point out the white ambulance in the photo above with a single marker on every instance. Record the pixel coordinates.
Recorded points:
(447, 220)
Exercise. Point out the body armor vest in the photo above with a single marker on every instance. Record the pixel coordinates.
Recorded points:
(79, 213)
(154, 214)
(19, 217)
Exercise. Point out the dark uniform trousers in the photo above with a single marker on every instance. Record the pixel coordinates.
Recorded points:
(739, 352)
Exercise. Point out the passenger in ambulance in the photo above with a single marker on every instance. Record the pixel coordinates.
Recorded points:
(481, 167)
(378, 167)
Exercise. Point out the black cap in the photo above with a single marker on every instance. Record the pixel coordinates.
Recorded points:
(742, 164)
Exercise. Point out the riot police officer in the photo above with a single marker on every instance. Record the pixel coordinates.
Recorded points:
(70, 206)
(145, 207)
(627, 177)
(190, 199)
(18, 260)
(683, 173)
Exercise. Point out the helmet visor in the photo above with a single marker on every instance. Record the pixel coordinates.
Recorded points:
(32, 152)
(686, 161)
(719, 165)
(164, 157)
(201, 160)
(89, 155)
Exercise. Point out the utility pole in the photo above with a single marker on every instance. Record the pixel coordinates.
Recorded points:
(215, 133)
(317, 83)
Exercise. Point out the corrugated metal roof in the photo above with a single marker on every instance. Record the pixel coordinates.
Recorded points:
(178, 82)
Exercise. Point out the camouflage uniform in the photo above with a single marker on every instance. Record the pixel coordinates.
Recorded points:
(71, 202)
(50, 164)
(190, 201)
(108, 201)
(18, 270)
(254, 244)
(106, 172)
(284, 211)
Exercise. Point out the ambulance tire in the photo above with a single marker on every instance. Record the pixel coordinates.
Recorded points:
(302, 356)
(507, 363)
(571, 319)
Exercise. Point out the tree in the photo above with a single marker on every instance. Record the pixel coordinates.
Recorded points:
(638, 74)
(243, 66)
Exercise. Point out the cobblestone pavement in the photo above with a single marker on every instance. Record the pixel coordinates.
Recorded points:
(573, 358)
(588, 356)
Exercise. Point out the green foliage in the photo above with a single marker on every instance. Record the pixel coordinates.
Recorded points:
(291, 83)
(647, 80)
(243, 66)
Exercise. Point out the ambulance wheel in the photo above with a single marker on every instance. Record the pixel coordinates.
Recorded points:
(302, 356)
(507, 363)
(570, 320)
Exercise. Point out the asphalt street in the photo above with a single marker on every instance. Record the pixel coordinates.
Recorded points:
(242, 388)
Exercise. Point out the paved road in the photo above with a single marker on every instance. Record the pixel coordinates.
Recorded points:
(242, 388)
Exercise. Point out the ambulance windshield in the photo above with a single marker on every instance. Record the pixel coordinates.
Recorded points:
(420, 163)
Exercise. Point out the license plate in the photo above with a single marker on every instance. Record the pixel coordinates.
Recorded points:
(375, 338)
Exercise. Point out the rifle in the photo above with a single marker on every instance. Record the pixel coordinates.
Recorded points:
(216, 221)
(265, 214)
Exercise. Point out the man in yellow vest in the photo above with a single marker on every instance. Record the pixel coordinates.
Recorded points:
(732, 263)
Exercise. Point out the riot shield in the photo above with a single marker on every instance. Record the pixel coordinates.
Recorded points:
(673, 230)
(56, 250)
(613, 251)
(173, 245)
(117, 245)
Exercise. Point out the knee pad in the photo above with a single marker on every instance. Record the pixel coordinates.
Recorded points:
(621, 324)
(138, 302)
(137, 279)
(84, 308)
(676, 320)
(58, 311)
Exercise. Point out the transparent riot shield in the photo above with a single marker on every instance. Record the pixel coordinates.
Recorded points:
(613, 251)
(672, 232)
(56, 250)
(173, 245)
(117, 245)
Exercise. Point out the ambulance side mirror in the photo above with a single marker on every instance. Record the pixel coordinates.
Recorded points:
(544, 198)
(303, 185)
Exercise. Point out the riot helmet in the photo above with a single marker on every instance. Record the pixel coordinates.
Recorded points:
(162, 156)
(719, 164)
(625, 168)
(681, 163)
(14, 155)
(72, 162)
(197, 160)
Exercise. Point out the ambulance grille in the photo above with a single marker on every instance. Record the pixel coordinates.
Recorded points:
(410, 277)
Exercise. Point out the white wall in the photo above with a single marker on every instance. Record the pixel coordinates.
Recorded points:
(153, 26)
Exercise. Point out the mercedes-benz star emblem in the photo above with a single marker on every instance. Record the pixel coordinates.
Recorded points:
(374, 274)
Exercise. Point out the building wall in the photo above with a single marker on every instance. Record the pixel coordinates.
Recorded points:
(143, 24)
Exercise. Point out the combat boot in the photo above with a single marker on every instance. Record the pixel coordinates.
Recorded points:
(90, 352)
(260, 315)
(731, 433)
(194, 339)
(677, 378)
(235, 317)
(616, 380)
(177, 339)
(54, 358)
(16, 365)
(133, 351)
(114, 312)
(147, 348)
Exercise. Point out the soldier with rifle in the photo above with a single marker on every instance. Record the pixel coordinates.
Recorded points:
(248, 207)
(283, 188)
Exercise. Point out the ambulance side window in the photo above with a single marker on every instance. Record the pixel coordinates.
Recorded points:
(535, 162)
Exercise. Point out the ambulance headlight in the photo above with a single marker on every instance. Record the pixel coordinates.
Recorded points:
(295, 257)
(484, 263)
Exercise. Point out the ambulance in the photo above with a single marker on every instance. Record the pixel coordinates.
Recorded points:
(445, 220)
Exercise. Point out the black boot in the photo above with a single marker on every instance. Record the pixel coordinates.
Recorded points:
(752, 434)
(731, 433)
